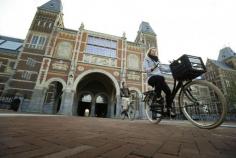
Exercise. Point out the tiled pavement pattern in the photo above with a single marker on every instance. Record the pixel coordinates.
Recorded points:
(86, 137)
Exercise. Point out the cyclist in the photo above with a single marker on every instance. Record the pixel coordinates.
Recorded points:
(156, 79)
(125, 94)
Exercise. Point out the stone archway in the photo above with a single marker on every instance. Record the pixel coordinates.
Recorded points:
(46, 84)
(53, 95)
(116, 84)
(136, 100)
(97, 82)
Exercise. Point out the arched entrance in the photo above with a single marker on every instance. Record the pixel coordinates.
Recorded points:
(85, 104)
(103, 94)
(101, 105)
(52, 100)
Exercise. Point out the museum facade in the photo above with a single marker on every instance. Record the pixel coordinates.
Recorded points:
(64, 71)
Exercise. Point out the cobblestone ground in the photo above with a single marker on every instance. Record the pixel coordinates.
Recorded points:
(87, 137)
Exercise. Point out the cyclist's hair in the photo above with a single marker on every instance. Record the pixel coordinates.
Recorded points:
(150, 49)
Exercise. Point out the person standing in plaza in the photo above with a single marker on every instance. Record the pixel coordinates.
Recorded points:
(125, 94)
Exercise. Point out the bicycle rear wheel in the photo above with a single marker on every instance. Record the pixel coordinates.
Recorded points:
(203, 104)
(151, 115)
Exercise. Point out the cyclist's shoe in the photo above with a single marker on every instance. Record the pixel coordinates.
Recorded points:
(157, 103)
(160, 100)
(170, 113)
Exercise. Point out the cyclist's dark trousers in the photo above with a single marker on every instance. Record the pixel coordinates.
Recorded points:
(158, 82)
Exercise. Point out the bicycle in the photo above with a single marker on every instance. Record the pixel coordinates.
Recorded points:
(130, 112)
(201, 102)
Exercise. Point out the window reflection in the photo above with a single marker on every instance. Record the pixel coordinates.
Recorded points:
(103, 47)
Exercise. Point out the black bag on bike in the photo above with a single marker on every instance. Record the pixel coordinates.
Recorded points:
(187, 67)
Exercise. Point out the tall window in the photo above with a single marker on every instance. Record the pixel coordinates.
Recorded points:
(100, 46)
(26, 75)
(37, 42)
(31, 62)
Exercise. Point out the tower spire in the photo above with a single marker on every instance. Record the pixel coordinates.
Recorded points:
(146, 35)
(52, 5)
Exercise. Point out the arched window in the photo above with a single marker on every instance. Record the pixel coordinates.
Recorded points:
(101, 99)
(86, 98)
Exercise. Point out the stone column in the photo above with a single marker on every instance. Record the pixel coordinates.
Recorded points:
(37, 100)
(75, 105)
(67, 102)
(93, 104)
(111, 109)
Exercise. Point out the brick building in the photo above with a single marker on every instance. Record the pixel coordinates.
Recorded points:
(64, 71)
(9, 51)
(222, 72)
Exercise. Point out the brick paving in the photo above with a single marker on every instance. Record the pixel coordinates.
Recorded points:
(88, 137)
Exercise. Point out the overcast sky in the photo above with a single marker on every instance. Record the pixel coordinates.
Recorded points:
(196, 27)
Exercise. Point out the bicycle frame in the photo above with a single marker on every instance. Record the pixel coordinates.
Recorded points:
(178, 85)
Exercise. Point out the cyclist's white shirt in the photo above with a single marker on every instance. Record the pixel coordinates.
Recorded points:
(148, 64)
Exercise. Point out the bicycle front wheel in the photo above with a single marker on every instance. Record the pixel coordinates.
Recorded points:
(203, 104)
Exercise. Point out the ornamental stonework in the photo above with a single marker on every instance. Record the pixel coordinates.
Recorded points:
(133, 61)
(116, 73)
(133, 76)
(59, 66)
(80, 68)
(87, 58)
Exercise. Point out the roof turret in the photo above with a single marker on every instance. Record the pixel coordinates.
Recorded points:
(52, 5)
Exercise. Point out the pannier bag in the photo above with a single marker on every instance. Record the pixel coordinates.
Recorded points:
(187, 67)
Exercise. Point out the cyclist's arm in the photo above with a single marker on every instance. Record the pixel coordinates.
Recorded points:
(149, 65)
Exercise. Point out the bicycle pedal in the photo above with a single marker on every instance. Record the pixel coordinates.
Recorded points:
(156, 116)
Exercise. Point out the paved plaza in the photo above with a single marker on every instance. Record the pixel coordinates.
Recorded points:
(23, 136)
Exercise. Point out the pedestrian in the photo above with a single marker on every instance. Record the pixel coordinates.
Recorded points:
(125, 97)
(156, 79)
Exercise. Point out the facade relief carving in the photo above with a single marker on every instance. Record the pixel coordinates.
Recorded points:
(64, 50)
(133, 76)
(80, 68)
(60, 65)
(116, 73)
(133, 61)
(87, 58)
